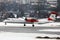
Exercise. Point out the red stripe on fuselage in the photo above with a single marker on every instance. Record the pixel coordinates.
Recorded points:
(32, 20)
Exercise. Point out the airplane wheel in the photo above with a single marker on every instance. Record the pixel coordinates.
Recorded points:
(24, 24)
(33, 25)
(5, 23)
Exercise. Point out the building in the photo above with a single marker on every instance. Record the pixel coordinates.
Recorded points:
(52, 2)
(36, 8)
(58, 6)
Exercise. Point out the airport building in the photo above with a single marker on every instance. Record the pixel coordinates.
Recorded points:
(34, 8)
(58, 7)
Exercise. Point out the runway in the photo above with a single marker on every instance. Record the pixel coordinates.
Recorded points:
(27, 33)
(13, 31)
(30, 30)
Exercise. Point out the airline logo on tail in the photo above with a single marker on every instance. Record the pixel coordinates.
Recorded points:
(52, 16)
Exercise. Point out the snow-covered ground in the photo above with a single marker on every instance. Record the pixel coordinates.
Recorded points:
(22, 36)
(10, 34)
(51, 30)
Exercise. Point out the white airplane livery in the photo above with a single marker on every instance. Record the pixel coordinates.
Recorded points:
(51, 18)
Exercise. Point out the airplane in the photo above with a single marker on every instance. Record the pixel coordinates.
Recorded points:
(32, 20)
(29, 20)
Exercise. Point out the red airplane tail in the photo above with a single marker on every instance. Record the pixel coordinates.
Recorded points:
(52, 16)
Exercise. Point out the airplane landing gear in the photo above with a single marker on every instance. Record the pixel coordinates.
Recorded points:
(5, 23)
(24, 24)
(33, 25)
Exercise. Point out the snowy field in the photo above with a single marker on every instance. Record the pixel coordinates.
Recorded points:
(16, 31)
(22, 36)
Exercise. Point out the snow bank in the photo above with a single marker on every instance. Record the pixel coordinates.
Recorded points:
(22, 36)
